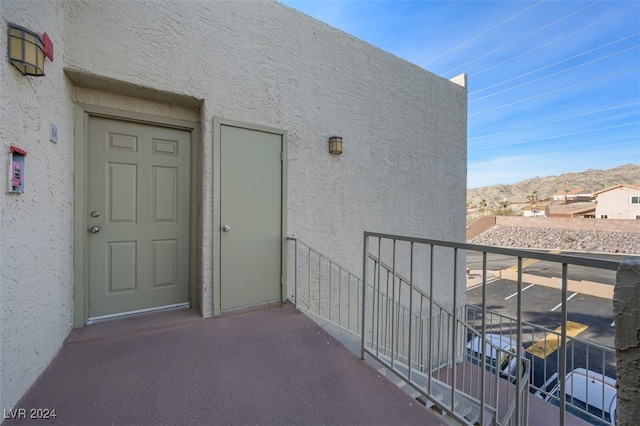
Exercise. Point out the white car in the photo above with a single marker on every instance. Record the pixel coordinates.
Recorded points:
(589, 392)
(499, 351)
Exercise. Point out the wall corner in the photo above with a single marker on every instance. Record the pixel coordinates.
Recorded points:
(626, 313)
(460, 80)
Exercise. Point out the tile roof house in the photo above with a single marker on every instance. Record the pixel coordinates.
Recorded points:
(573, 195)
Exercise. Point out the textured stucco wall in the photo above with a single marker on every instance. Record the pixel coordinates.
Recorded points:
(403, 169)
(36, 226)
(616, 203)
(626, 313)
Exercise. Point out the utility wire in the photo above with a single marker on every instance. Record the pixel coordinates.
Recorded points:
(553, 121)
(522, 38)
(592, 148)
(482, 148)
(554, 91)
(554, 41)
(481, 34)
(551, 65)
(553, 75)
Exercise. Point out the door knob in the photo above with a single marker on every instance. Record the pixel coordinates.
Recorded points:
(226, 228)
(95, 213)
(94, 229)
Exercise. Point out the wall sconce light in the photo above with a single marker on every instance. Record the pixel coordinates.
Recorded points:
(25, 50)
(335, 144)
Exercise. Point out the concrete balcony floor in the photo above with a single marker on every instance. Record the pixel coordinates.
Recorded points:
(271, 367)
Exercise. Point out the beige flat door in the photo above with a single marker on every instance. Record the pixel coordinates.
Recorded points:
(138, 216)
(251, 217)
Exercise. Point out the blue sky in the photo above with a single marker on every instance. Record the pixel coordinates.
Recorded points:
(554, 86)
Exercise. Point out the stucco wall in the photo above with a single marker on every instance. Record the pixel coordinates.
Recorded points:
(403, 169)
(404, 129)
(36, 226)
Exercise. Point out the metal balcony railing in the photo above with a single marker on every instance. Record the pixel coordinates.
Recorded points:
(410, 313)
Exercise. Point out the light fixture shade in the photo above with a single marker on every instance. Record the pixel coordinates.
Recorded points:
(335, 145)
(25, 50)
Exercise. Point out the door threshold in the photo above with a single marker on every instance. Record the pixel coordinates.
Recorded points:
(131, 324)
(268, 306)
(138, 312)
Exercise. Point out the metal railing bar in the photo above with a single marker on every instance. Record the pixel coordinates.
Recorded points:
(484, 336)
(431, 318)
(557, 258)
(386, 307)
(519, 341)
(309, 278)
(365, 258)
(320, 253)
(340, 297)
(410, 308)
(454, 334)
(563, 346)
(319, 284)
(295, 279)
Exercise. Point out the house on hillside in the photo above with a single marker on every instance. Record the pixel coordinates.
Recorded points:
(621, 201)
(535, 210)
(162, 151)
(572, 196)
(571, 210)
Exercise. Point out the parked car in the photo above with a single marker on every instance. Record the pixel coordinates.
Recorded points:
(588, 392)
(500, 353)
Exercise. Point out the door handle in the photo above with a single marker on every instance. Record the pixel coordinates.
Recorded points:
(94, 229)
(226, 228)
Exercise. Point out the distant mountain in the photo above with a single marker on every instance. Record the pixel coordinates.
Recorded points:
(590, 180)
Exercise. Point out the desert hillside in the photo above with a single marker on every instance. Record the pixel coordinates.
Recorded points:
(590, 180)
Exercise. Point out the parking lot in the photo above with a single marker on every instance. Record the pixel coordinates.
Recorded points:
(589, 322)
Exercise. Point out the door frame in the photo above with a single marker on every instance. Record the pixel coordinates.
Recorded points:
(82, 114)
(218, 122)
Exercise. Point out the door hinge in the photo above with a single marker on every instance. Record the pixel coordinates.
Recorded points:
(281, 280)
(281, 156)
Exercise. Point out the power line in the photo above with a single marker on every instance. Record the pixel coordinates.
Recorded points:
(553, 137)
(482, 33)
(553, 121)
(554, 41)
(523, 37)
(551, 65)
(593, 148)
(554, 91)
(554, 74)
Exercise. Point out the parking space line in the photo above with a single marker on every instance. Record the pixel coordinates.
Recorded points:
(551, 341)
(516, 293)
(530, 262)
(560, 304)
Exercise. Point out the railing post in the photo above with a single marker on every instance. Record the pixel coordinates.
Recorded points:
(483, 335)
(296, 272)
(518, 413)
(365, 258)
(410, 309)
(393, 301)
(454, 332)
(563, 347)
(431, 319)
